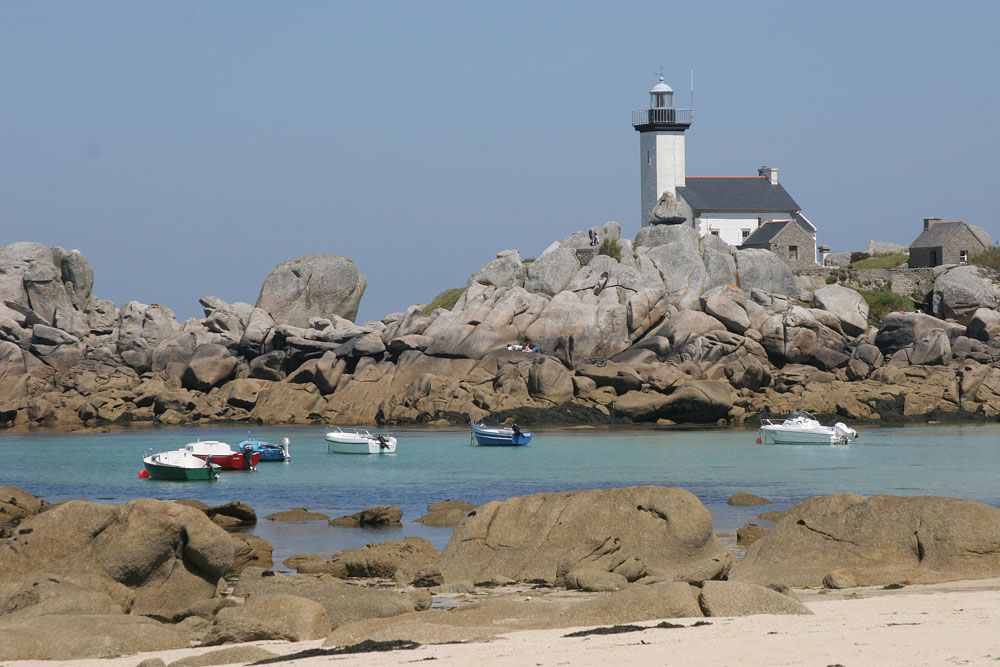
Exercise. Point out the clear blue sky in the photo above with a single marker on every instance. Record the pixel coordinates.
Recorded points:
(187, 147)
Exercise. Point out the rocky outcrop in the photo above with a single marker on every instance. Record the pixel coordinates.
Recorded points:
(633, 531)
(379, 515)
(880, 540)
(284, 617)
(960, 290)
(149, 556)
(399, 560)
(685, 329)
(312, 286)
(634, 603)
(343, 604)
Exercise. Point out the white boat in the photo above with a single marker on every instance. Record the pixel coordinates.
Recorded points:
(801, 428)
(358, 441)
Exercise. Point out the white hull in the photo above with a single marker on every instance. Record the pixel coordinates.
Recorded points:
(359, 442)
(824, 436)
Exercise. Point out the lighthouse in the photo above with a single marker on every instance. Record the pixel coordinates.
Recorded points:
(661, 146)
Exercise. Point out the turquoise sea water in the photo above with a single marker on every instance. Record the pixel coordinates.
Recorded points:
(439, 464)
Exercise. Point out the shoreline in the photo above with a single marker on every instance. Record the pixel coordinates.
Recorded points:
(934, 624)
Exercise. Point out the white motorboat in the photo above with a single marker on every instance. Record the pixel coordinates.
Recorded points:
(801, 428)
(359, 441)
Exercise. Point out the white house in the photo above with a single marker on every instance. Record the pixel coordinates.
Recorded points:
(730, 207)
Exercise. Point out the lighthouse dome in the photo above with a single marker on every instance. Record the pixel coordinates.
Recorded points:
(661, 87)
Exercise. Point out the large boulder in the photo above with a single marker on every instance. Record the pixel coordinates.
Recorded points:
(318, 285)
(552, 272)
(151, 556)
(86, 636)
(393, 559)
(47, 594)
(849, 307)
(51, 283)
(284, 617)
(379, 515)
(17, 504)
(682, 269)
(699, 401)
(548, 379)
(663, 531)
(984, 325)
(689, 323)
(343, 603)
(210, 366)
(141, 328)
(668, 210)
(728, 304)
(762, 269)
(734, 598)
(960, 290)
(901, 330)
(881, 540)
(504, 271)
(805, 336)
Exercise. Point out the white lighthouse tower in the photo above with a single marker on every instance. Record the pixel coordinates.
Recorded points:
(661, 146)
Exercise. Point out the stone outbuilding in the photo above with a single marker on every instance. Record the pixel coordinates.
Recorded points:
(947, 243)
(793, 240)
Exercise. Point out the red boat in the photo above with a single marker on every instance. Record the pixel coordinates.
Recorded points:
(224, 456)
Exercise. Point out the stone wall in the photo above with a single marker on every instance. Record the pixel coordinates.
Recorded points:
(905, 281)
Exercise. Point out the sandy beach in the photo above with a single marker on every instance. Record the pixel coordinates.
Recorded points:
(953, 623)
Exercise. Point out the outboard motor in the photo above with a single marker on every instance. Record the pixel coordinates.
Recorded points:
(382, 442)
(517, 432)
(285, 444)
(844, 432)
(247, 457)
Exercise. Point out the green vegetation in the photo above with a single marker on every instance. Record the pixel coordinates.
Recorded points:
(885, 261)
(882, 301)
(611, 248)
(528, 261)
(989, 258)
(446, 299)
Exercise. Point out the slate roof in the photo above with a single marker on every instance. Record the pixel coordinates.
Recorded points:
(766, 232)
(938, 234)
(736, 193)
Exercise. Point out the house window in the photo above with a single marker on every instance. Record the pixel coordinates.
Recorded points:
(715, 232)
(963, 256)
(793, 252)
(649, 160)
(745, 234)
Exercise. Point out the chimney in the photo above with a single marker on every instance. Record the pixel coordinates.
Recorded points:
(770, 173)
(930, 221)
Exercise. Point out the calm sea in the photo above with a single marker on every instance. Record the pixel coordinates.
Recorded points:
(439, 464)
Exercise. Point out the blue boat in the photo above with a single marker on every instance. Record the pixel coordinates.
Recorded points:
(268, 451)
(495, 434)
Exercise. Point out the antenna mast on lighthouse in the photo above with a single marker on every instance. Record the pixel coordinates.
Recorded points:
(692, 92)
